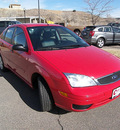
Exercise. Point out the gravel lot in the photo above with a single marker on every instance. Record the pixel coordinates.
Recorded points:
(19, 110)
(117, 46)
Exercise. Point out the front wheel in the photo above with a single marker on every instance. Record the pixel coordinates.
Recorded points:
(45, 96)
(100, 42)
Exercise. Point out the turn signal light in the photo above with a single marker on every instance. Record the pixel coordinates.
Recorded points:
(63, 94)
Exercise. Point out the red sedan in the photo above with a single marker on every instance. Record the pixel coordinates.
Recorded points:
(67, 71)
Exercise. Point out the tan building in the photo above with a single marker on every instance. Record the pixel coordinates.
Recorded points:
(15, 6)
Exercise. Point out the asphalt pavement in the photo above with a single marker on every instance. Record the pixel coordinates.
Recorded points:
(19, 110)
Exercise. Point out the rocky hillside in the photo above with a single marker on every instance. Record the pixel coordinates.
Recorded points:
(73, 18)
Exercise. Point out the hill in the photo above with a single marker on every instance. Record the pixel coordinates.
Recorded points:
(73, 18)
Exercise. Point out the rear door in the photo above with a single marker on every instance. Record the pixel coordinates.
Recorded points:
(19, 59)
(116, 35)
(6, 50)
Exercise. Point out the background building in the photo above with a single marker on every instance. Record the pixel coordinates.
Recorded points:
(15, 6)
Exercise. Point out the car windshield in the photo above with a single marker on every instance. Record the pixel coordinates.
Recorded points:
(54, 38)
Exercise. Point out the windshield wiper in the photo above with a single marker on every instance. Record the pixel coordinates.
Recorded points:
(58, 48)
(48, 48)
(70, 46)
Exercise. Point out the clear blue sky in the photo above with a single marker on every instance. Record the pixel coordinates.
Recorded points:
(59, 5)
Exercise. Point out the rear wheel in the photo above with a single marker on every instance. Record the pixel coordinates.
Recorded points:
(45, 96)
(100, 42)
(77, 32)
(2, 67)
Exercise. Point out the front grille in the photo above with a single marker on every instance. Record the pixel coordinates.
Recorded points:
(109, 78)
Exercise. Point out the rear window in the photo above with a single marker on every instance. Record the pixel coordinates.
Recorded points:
(89, 28)
(100, 29)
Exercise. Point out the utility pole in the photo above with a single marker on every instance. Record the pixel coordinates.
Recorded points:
(24, 15)
(39, 11)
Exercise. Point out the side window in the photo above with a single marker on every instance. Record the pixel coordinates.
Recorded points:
(19, 37)
(116, 30)
(107, 29)
(9, 35)
(100, 29)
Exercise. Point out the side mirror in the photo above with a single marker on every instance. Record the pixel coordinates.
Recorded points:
(19, 47)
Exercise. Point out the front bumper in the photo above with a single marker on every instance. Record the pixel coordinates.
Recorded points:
(83, 99)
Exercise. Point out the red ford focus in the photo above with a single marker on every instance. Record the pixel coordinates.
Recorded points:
(67, 71)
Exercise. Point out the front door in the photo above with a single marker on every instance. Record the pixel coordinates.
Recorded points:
(20, 58)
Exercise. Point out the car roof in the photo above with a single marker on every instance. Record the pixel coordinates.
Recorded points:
(103, 26)
(34, 25)
(98, 26)
(8, 21)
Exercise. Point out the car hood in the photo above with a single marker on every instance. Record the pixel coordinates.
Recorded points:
(90, 61)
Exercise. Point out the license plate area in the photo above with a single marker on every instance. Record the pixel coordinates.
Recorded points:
(116, 92)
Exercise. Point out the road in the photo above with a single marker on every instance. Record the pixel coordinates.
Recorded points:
(19, 110)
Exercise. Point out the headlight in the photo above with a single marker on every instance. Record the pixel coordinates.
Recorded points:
(77, 80)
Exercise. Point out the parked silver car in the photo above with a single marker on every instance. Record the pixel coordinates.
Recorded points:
(5, 24)
(101, 35)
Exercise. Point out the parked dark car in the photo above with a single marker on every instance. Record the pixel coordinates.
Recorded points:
(114, 24)
(101, 35)
(4, 24)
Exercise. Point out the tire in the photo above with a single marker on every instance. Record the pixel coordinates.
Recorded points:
(77, 32)
(2, 67)
(100, 42)
(45, 96)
